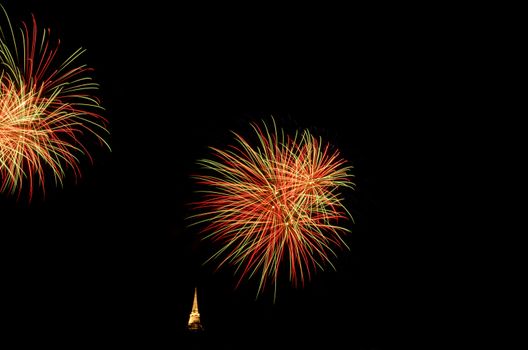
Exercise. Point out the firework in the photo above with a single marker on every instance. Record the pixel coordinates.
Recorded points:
(274, 207)
(47, 108)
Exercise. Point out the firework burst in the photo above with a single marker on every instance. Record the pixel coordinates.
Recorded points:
(46, 110)
(274, 207)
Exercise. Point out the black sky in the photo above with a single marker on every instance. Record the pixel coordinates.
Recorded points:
(109, 259)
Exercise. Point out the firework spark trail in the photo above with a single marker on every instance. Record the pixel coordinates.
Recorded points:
(46, 110)
(274, 204)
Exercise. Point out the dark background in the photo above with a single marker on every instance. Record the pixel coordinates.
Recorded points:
(108, 260)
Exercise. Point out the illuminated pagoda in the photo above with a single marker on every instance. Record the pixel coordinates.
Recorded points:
(194, 318)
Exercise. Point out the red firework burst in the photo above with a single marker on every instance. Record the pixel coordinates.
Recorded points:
(276, 204)
(45, 108)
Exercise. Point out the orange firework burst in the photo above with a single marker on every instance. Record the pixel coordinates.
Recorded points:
(277, 204)
(45, 108)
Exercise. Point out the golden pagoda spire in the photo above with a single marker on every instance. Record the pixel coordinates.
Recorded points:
(194, 318)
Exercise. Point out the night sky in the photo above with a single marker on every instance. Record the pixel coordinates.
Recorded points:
(108, 260)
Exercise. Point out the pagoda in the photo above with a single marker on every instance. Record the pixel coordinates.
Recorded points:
(194, 318)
